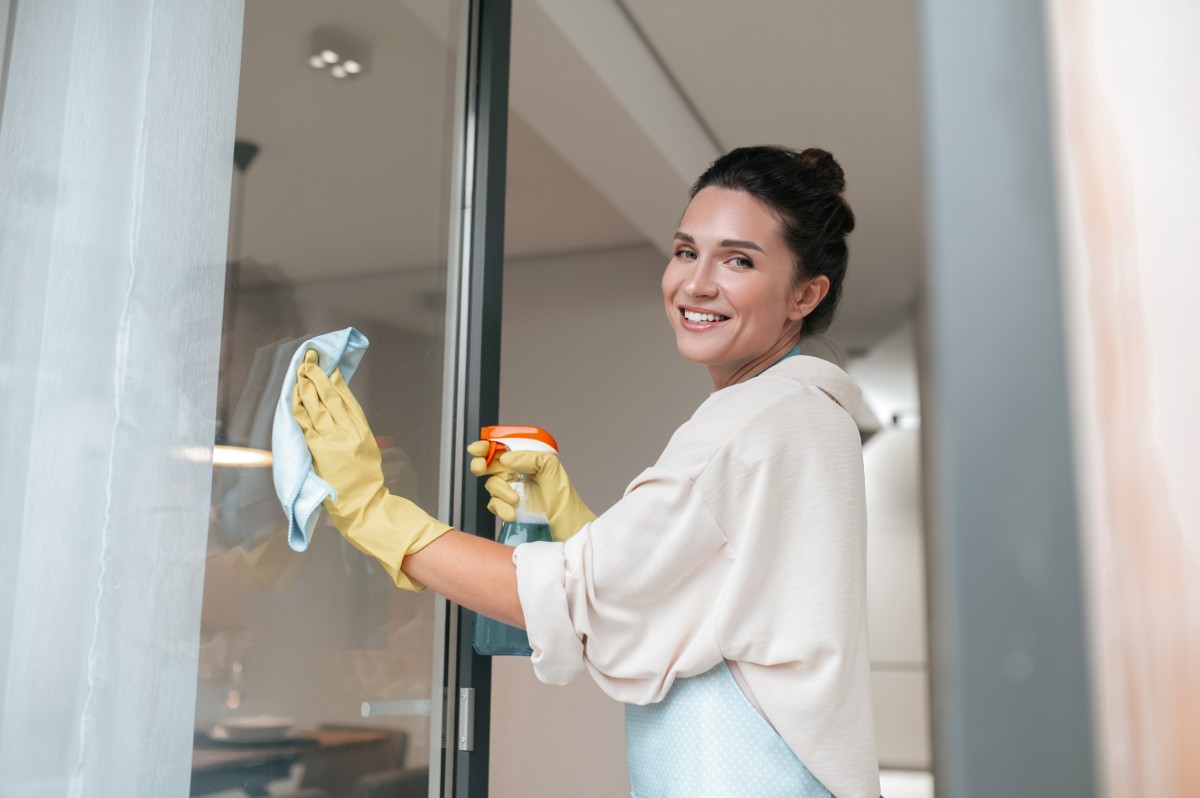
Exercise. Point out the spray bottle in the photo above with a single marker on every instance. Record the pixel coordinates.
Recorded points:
(490, 636)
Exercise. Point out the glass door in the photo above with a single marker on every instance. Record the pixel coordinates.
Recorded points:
(317, 677)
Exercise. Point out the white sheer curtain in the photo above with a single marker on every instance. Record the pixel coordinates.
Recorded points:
(116, 137)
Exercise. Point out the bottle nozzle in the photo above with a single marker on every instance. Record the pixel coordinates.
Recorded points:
(509, 438)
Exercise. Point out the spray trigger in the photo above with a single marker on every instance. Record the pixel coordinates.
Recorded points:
(510, 438)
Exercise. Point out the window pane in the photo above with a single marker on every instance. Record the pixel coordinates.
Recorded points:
(341, 216)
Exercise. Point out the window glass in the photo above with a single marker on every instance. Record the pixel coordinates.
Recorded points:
(316, 674)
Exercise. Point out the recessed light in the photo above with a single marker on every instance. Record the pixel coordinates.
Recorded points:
(343, 53)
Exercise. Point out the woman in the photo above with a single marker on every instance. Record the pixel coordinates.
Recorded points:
(723, 597)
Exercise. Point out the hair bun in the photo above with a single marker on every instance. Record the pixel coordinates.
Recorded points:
(825, 168)
(828, 172)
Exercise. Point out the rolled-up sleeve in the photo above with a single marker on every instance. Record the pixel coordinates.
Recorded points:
(633, 596)
(557, 649)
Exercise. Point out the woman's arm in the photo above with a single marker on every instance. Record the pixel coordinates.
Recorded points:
(408, 542)
(472, 571)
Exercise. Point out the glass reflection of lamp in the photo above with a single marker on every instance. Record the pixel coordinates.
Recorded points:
(225, 453)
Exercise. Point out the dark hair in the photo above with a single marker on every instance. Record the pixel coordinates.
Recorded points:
(804, 189)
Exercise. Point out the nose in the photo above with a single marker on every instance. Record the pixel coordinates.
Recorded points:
(700, 282)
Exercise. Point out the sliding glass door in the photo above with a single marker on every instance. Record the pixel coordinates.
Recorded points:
(316, 675)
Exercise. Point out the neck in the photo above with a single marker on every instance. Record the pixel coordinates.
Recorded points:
(723, 377)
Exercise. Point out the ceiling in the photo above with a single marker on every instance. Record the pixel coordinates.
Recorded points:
(616, 108)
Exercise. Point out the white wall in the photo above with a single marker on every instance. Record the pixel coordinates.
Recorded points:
(896, 585)
(896, 599)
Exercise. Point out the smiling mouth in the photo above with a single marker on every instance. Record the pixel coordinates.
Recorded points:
(701, 318)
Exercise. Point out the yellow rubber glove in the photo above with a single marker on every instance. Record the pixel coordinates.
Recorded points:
(565, 511)
(346, 456)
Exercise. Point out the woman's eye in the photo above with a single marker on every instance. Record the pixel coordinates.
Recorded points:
(684, 254)
(742, 263)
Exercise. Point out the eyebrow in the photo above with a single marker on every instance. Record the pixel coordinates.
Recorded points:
(731, 243)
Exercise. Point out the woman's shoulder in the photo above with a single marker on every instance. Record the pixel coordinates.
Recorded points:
(797, 395)
(797, 386)
(799, 373)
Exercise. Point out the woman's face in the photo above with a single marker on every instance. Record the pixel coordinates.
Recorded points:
(729, 288)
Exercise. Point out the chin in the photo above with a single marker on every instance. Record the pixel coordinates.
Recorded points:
(688, 350)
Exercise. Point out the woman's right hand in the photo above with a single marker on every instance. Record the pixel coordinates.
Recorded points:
(565, 510)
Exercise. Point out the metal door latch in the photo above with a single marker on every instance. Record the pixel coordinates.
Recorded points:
(466, 719)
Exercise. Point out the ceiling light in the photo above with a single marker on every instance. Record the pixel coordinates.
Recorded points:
(345, 54)
(240, 457)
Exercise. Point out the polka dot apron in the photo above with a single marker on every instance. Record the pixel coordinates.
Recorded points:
(706, 739)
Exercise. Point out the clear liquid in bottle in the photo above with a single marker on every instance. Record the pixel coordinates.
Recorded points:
(491, 637)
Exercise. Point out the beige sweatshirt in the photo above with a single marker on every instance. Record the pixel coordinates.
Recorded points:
(746, 542)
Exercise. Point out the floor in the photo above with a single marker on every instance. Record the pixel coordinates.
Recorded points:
(906, 784)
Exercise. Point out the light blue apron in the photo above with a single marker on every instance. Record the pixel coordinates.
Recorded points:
(706, 740)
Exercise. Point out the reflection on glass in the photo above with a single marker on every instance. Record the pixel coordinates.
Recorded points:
(339, 217)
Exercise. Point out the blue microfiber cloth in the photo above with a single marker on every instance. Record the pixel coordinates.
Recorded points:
(298, 487)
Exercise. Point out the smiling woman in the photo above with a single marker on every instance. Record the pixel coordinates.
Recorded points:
(729, 581)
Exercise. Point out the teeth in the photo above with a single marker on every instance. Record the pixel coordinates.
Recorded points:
(693, 316)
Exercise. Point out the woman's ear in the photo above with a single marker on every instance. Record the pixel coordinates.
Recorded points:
(807, 295)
